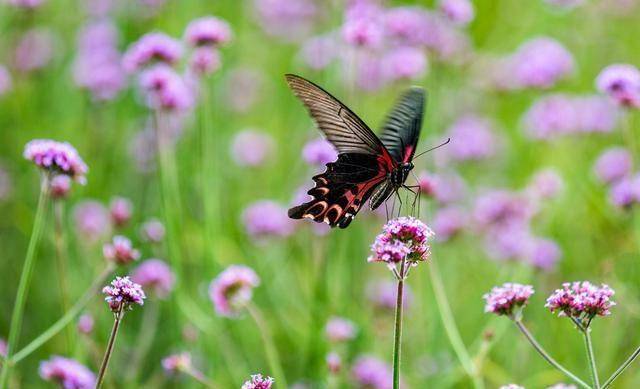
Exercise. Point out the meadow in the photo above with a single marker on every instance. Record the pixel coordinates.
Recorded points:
(186, 147)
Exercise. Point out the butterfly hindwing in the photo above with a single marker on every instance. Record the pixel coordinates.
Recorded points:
(401, 129)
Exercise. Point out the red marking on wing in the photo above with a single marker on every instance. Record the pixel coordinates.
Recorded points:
(408, 153)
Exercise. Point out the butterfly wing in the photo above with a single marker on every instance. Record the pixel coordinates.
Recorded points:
(401, 129)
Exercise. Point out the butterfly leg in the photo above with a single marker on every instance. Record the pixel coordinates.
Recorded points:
(400, 201)
(415, 189)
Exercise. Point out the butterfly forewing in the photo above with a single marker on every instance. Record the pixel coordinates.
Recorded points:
(401, 129)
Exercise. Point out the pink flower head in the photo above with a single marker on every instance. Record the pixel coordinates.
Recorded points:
(546, 184)
(622, 83)
(122, 294)
(91, 220)
(208, 31)
(472, 138)
(371, 372)
(25, 4)
(121, 209)
(363, 25)
(152, 231)
(267, 218)
(383, 295)
(544, 253)
(541, 63)
(502, 207)
(251, 147)
(407, 25)
(448, 188)
(508, 240)
(5, 80)
(233, 289)
(56, 157)
(407, 62)
(155, 275)
(581, 300)
(205, 61)
(460, 12)
(257, 381)
(334, 362)
(120, 250)
(165, 89)
(150, 48)
(448, 222)
(339, 329)
(624, 192)
(66, 372)
(402, 238)
(176, 363)
(320, 51)
(506, 299)
(289, 20)
(35, 50)
(60, 186)
(319, 152)
(613, 164)
(85, 323)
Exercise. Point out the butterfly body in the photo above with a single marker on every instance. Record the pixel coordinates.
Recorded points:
(368, 168)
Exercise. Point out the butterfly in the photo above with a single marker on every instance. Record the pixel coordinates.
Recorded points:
(368, 167)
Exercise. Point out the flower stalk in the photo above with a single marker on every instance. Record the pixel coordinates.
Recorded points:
(118, 315)
(272, 353)
(397, 334)
(586, 332)
(622, 368)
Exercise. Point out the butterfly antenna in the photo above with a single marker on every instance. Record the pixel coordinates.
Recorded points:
(433, 148)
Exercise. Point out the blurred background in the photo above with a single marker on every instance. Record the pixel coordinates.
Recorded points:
(537, 185)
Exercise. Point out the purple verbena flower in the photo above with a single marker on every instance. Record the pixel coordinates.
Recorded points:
(208, 31)
(120, 251)
(257, 381)
(251, 147)
(156, 275)
(407, 25)
(164, 89)
(472, 138)
(66, 372)
(34, 50)
(501, 207)
(506, 299)
(624, 192)
(541, 62)
(152, 231)
(91, 220)
(404, 238)
(363, 25)
(372, 373)
(232, 289)
(205, 61)
(334, 362)
(581, 300)
(405, 63)
(622, 83)
(460, 12)
(120, 209)
(289, 20)
(267, 218)
(448, 222)
(319, 152)
(85, 323)
(544, 253)
(546, 184)
(176, 363)
(151, 47)
(613, 164)
(320, 51)
(57, 158)
(339, 329)
(122, 294)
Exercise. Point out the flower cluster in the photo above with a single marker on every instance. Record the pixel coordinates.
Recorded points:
(123, 293)
(205, 35)
(614, 168)
(339, 329)
(155, 275)
(472, 139)
(91, 220)
(57, 158)
(176, 363)
(257, 381)
(371, 372)
(120, 250)
(267, 218)
(68, 373)
(165, 89)
(251, 147)
(507, 299)
(581, 300)
(233, 289)
(319, 152)
(621, 82)
(150, 48)
(35, 50)
(404, 238)
(120, 209)
(152, 231)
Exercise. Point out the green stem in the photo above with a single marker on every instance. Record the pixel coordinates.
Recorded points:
(66, 319)
(397, 333)
(25, 279)
(591, 357)
(451, 329)
(546, 355)
(112, 341)
(621, 369)
(61, 263)
(270, 348)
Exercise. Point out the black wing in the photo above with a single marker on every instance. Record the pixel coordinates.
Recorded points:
(401, 129)
(343, 128)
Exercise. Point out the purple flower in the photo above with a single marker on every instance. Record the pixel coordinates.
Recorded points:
(120, 209)
(546, 184)
(92, 220)
(363, 25)
(251, 147)
(151, 47)
(544, 253)
(34, 50)
(472, 138)
(339, 329)
(165, 89)
(57, 158)
(624, 192)
(505, 299)
(372, 373)
(266, 218)
(318, 52)
(613, 164)
(460, 12)
(383, 295)
(25, 4)
(595, 114)
(550, 116)
(404, 238)
(370, 71)
(581, 300)
(334, 362)
(509, 240)
(289, 20)
(5, 80)
(319, 152)
(541, 62)
(122, 294)
(426, 183)
(152, 231)
(66, 372)
(232, 289)
(622, 83)
(176, 363)
(205, 61)
(120, 251)
(208, 31)
(85, 323)
(501, 207)
(258, 382)
(405, 63)
(448, 188)
(60, 186)
(448, 222)
(407, 25)
(155, 275)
